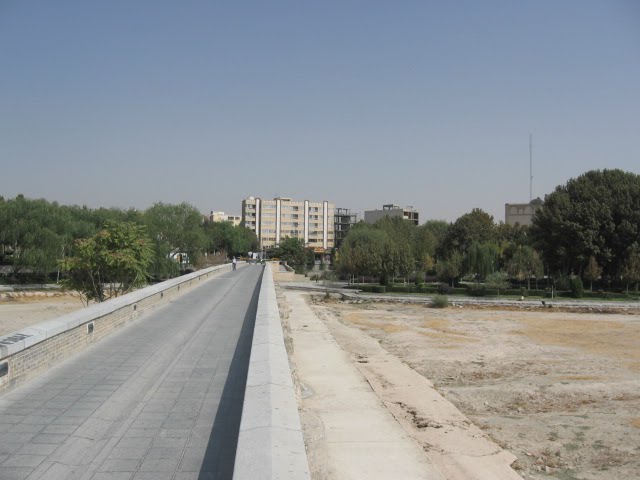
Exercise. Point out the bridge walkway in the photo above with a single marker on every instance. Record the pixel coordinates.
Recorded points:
(159, 399)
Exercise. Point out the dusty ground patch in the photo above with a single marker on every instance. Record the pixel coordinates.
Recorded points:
(20, 310)
(560, 390)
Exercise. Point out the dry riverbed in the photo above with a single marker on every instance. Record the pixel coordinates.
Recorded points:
(560, 390)
(22, 309)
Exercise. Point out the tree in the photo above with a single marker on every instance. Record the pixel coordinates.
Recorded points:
(424, 249)
(398, 253)
(497, 281)
(474, 227)
(293, 251)
(512, 234)
(243, 240)
(524, 264)
(361, 252)
(482, 259)
(438, 230)
(596, 214)
(592, 272)
(111, 263)
(450, 269)
(174, 229)
(35, 232)
(631, 269)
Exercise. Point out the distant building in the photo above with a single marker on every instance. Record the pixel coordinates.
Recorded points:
(343, 221)
(277, 219)
(521, 213)
(390, 210)
(223, 217)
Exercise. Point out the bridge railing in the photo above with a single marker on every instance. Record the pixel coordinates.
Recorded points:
(270, 443)
(31, 350)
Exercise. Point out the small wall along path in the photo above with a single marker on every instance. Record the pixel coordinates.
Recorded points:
(31, 350)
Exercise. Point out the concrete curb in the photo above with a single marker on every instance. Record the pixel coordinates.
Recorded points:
(270, 443)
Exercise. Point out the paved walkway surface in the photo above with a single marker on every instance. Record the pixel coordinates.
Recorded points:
(159, 399)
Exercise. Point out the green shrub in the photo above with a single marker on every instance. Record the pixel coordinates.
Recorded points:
(439, 301)
(477, 290)
(425, 288)
(404, 288)
(576, 287)
(562, 283)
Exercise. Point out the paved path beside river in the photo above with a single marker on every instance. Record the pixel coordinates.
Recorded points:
(159, 399)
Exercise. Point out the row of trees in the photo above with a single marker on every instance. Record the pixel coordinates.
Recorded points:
(474, 244)
(36, 235)
(588, 228)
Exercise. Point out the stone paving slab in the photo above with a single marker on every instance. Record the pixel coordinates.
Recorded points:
(161, 398)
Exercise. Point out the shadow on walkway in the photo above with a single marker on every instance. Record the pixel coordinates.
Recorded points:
(220, 455)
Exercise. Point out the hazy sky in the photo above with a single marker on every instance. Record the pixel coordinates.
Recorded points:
(362, 103)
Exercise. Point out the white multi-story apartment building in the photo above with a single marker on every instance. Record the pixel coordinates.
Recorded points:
(277, 219)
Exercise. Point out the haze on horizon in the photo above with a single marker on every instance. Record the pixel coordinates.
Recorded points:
(360, 103)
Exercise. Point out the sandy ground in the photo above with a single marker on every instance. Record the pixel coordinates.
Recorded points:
(367, 415)
(560, 390)
(22, 309)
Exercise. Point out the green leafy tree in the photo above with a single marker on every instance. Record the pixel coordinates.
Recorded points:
(482, 259)
(425, 243)
(399, 247)
(576, 286)
(230, 239)
(244, 240)
(474, 227)
(631, 269)
(34, 233)
(450, 269)
(174, 229)
(293, 251)
(596, 214)
(361, 252)
(438, 230)
(525, 263)
(111, 263)
(497, 281)
(592, 272)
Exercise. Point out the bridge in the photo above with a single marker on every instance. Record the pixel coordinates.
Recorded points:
(187, 379)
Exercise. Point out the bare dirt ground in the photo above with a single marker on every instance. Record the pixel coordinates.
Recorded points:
(560, 390)
(22, 309)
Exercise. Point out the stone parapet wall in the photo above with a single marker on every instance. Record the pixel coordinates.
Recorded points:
(25, 353)
(270, 443)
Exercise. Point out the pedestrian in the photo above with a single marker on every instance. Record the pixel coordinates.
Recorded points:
(234, 262)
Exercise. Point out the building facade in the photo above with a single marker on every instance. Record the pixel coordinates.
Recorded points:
(521, 213)
(277, 219)
(390, 210)
(343, 221)
(223, 217)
